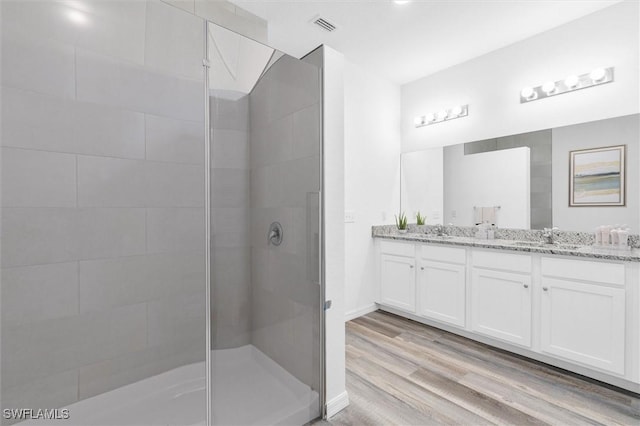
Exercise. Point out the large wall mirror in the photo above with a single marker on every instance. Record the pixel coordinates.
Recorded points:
(525, 177)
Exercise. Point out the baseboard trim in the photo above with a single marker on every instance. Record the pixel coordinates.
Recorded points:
(337, 404)
(360, 312)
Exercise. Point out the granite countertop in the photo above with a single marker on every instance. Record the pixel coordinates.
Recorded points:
(563, 249)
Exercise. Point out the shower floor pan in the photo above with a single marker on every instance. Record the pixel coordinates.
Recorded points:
(248, 389)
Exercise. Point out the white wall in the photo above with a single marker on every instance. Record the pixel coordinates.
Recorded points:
(372, 170)
(494, 178)
(491, 83)
(333, 176)
(422, 186)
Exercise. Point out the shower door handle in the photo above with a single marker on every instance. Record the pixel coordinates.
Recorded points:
(314, 240)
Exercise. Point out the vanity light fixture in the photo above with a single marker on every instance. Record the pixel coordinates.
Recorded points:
(442, 115)
(573, 82)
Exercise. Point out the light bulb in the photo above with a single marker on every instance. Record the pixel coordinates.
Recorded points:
(418, 121)
(528, 93)
(572, 81)
(597, 75)
(455, 111)
(442, 114)
(549, 87)
(430, 117)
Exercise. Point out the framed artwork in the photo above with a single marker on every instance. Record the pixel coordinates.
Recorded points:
(597, 177)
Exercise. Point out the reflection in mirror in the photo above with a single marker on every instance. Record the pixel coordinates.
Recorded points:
(494, 179)
(482, 173)
(422, 185)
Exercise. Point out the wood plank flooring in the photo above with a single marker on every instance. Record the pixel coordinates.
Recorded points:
(400, 372)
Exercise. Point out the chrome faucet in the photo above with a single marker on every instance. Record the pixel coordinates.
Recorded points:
(549, 235)
(440, 230)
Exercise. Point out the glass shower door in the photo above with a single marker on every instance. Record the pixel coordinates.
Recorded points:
(265, 111)
(103, 213)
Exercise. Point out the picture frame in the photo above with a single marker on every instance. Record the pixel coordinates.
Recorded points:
(597, 177)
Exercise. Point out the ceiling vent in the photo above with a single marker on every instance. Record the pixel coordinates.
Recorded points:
(323, 23)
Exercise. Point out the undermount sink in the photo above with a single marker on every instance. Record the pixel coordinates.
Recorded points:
(545, 245)
(440, 237)
(567, 246)
(529, 244)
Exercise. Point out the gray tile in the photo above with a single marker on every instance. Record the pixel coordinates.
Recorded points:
(186, 5)
(175, 229)
(176, 141)
(108, 283)
(110, 232)
(21, 68)
(174, 41)
(480, 146)
(32, 120)
(111, 182)
(106, 81)
(229, 188)
(229, 114)
(37, 179)
(44, 348)
(39, 293)
(267, 186)
(114, 28)
(179, 320)
(32, 236)
(230, 149)
(306, 132)
(272, 144)
(300, 176)
(541, 200)
(230, 267)
(174, 185)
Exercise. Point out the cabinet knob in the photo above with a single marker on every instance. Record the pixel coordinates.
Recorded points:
(526, 286)
(422, 268)
(545, 288)
(411, 266)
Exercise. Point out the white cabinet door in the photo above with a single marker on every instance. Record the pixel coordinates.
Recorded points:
(441, 292)
(398, 282)
(501, 305)
(584, 323)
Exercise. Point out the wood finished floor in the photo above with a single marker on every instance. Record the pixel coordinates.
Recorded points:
(400, 372)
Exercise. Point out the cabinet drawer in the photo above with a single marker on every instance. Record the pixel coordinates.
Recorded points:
(397, 249)
(501, 260)
(599, 272)
(444, 254)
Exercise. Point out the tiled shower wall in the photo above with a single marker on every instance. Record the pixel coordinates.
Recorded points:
(102, 197)
(285, 180)
(230, 251)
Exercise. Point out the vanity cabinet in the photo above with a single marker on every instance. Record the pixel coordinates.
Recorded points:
(397, 276)
(583, 312)
(578, 314)
(501, 296)
(442, 284)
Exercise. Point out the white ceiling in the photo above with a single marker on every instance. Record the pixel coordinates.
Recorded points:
(409, 41)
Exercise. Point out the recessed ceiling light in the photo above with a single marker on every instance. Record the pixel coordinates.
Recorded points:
(401, 1)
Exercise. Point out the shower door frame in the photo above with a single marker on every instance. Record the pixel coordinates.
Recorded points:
(207, 197)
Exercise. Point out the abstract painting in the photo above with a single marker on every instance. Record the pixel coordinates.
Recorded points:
(597, 177)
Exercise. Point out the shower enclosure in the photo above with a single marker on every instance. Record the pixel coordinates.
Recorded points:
(138, 282)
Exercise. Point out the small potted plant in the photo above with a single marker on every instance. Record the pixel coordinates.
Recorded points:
(420, 219)
(401, 223)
